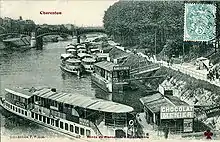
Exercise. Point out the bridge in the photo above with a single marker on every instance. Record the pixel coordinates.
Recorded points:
(39, 33)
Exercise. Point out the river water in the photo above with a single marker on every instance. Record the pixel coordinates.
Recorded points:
(37, 68)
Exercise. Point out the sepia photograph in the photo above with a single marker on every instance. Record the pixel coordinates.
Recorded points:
(109, 70)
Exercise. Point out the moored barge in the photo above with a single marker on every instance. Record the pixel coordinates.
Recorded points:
(72, 114)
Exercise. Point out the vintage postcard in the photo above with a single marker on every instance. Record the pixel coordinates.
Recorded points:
(109, 70)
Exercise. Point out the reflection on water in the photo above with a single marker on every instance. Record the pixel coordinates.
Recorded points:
(38, 68)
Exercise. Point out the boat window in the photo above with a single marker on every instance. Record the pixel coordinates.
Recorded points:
(19, 111)
(52, 122)
(40, 117)
(22, 111)
(77, 130)
(32, 114)
(36, 116)
(16, 109)
(22, 100)
(57, 123)
(71, 128)
(82, 131)
(25, 113)
(48, 120)
(66, 126)
(13, 108)
(61, 124)
(88, 133)
(10, 106)
(44, 119)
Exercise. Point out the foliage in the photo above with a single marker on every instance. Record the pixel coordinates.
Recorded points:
(12, 25)
(139, 22)
(153, 25)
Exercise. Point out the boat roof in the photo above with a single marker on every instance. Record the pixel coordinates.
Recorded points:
(70, 46)
(81, 46)
(155, 101)
(83, 49)
(73, 60)
(88, 60)
(94, 49)
(85, 102)
(71, 49)
(83, 55)
(66, 55)
(105, 65)
(102, 54)
(20, 92)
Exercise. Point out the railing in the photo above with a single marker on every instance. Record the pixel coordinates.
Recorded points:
(188, 71)
(145, 68)
(88, 123)
(99, 120)
(95, 128)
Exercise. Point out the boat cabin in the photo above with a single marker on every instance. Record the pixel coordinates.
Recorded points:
(72, 51)
(19, 98)
(65, 56)
(104, 69)
(94, 50)
(88, 64)
(81, 50)
(81, 46)
(102, 57)
(72, 62)
(105, 117)
(84, 55)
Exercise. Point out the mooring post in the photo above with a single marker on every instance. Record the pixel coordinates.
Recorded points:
(33, 40)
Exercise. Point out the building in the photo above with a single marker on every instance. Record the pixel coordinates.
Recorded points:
(165, 110)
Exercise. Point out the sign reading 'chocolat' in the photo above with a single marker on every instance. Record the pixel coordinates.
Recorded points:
(177, 112)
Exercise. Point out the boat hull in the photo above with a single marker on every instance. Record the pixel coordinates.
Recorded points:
(53, 128)
(101, 83)
(69, 71)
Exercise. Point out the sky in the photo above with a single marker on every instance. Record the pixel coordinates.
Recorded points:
(78, 12)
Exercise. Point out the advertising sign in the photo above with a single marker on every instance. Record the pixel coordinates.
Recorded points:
(176, 112)
(187, 125)
(121, 74)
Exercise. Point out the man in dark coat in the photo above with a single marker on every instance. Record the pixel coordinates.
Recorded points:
(166, 132)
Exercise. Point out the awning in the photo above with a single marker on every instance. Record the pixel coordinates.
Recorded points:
(20, 92)
(105, 65)
(88, 102)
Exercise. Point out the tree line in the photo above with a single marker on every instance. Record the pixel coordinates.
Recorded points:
(157, 26)
(20, 25)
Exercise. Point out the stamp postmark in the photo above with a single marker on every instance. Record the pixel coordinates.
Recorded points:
(199, 22)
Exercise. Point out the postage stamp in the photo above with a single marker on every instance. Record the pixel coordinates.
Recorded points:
(200, 22)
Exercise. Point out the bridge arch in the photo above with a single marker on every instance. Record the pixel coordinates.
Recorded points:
(81, 31)
(52, 33)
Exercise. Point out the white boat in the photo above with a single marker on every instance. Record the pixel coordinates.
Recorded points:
(84, 55)
(71, 65)
(69, 47)
(72, 51)
(87, 63)
(70, 114)
(102, 75)
(81, 50)
(65, 56)
(94, 50)
(101, 56)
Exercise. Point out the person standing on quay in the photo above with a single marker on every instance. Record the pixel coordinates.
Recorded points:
(166, 131)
